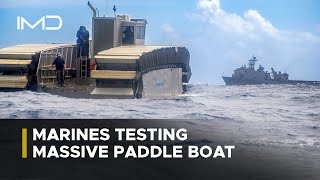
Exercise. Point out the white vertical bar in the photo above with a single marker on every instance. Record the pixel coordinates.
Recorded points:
(18, 22)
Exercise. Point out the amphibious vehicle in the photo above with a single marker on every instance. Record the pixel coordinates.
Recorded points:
(117, 66)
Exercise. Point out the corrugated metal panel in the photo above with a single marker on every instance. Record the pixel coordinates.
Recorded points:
(68, 52)
(103, 33)
(105, 74)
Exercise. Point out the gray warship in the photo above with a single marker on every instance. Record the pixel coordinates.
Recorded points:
(251, 76)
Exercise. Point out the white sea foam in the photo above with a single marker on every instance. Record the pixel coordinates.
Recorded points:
(258, 114)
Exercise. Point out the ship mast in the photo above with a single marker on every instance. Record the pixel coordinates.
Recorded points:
(252, 63)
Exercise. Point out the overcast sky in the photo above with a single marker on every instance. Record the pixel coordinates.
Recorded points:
(221, 35)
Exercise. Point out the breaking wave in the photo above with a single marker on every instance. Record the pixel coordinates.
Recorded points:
(272, 114)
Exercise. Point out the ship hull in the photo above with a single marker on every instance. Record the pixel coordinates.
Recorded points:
(161, 83)
(234, 81)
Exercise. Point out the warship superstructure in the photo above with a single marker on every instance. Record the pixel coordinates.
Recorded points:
(119, 65)
(251, 76)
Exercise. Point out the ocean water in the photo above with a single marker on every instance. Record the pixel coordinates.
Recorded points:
(255, 115)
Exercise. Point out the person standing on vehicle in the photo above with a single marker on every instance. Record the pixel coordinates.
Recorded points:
(59, 63)
(83, 42)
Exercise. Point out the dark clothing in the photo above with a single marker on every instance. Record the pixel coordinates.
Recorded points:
(83, 49)
(82, 35)
(59, 63)
(128, 35)
(60, 78)
(83, 43)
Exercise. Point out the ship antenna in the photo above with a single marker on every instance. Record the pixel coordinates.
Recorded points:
(252, 62)
(114, 10)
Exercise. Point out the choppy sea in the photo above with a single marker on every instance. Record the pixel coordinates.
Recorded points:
(265, 114)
